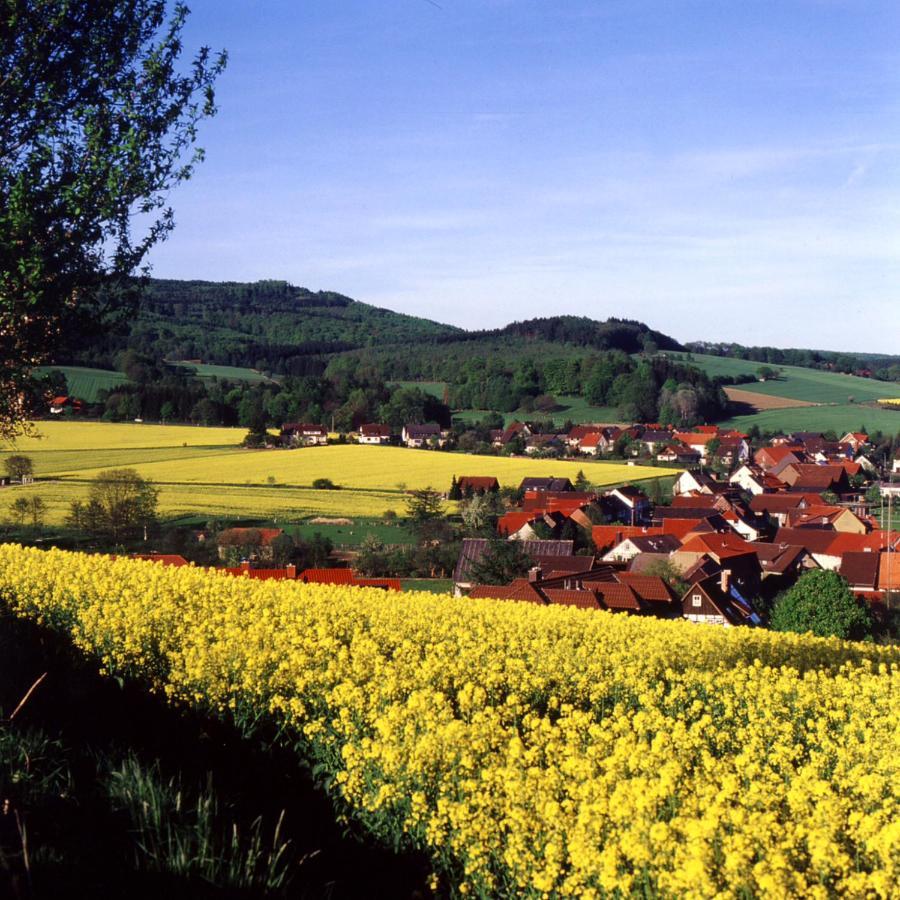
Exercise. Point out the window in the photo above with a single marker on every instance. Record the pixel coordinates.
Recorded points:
(697, 600)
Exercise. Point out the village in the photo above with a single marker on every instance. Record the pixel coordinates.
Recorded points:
(742, 524)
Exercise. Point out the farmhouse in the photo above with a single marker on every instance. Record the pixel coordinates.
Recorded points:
(418, 436)
(375, 434)
(303, 434)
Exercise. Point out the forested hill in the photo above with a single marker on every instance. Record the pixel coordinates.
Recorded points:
(267, 325)
(276, 327)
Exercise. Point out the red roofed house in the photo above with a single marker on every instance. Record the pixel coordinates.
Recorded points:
(251, 542)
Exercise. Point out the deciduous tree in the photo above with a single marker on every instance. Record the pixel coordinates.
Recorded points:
(99, 122)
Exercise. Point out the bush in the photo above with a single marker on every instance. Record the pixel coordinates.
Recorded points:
(325, 484)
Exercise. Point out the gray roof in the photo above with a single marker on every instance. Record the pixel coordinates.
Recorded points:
(473, 549)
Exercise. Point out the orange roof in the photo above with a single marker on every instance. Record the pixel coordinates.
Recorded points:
(647, 587)
(720, 544)
(696, 438)
(327, 576)
(580, 599)
(875, 541)
(682, 527)
(511, 522)
(590, 440)
(889, 572)
(616, 596)
(167, 559)
(610, 535)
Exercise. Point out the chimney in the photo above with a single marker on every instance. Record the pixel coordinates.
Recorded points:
(534, 574)
(291, 570)
(245, 565)
(725, 580)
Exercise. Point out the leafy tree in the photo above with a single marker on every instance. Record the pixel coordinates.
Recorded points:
(821, 602)
(480, 512)
(98, 125)
(18, 467)
(324, 484)
(501, 562)
(19, 510)
(581, 482)
(120, 503)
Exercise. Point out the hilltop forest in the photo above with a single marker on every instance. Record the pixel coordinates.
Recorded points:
(325, 357)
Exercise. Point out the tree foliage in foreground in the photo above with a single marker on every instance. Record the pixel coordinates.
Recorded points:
(821, 602)
(99, 122)
(501, 562)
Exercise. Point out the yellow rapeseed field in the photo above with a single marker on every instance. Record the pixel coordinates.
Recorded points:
(203, 471)
(536, 752)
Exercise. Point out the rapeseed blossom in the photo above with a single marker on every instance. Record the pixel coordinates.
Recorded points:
(530, 751)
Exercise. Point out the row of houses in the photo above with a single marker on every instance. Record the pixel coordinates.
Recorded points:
(795, 505)
(307, 434)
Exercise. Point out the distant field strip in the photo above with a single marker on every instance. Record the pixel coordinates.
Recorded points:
(764, 401)
(795, 382)
(86, 384)
(202, 471)
(375, 468)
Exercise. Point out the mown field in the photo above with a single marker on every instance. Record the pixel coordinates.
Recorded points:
(229, 373)
(202, 471)
(527, 751)
(796, 382)
(840, 419)
(85, 383)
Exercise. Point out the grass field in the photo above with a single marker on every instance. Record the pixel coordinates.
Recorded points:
(838, 418)
(84, 383)
(575, 409)
(231, 373)
(797, 383)
(202, 471)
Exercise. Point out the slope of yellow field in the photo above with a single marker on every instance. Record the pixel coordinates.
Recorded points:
(377, 468)
(62, 435)
(202, 471)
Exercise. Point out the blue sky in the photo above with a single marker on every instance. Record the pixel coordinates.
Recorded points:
(720, 170)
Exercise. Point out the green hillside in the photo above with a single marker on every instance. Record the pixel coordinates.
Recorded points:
(795, 382)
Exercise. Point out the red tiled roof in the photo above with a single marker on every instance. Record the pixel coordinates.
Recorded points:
(511, 522)
(580, 599)
(647, 587)
(616, 595)
(606, 536)
(167, 559)
(327, 576)
(889, 572)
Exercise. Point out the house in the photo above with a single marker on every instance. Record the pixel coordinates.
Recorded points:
(474, 548)
(631, 503)
(838, 518)
(813, 478)
(768, 458)
(256, 543)
(590, 444)
(715, 601)
(860, 571)
(418, 436)
(748, 479)
(607, 536)
(303, 434)
(655, 439)
(895, 467)
(469, 485)
(542, 443)
(691, 481)
(579, 432)
(779, 506)
(511, 432)
(546, 484)
(855, 439)
(678, 453)
(375, 434)
(630, 547)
